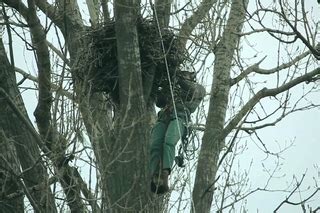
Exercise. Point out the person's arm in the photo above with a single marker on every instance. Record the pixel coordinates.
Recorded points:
(187, 85)
(194, 93)
(161, 98)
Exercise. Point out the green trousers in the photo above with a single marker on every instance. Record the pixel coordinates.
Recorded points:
(165, 135)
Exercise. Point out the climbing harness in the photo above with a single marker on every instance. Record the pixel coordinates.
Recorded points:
(187, 147)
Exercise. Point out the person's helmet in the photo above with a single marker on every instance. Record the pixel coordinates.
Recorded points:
(191, 76)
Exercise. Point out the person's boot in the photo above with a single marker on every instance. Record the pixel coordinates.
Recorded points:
(164, 177)
(159, 183)
(155, 183)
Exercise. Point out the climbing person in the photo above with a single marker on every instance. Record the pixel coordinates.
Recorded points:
(176, 106)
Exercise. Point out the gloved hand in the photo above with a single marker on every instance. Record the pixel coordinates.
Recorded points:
(161, 99)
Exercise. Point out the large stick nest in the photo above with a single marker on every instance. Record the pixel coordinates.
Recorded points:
(99, 65)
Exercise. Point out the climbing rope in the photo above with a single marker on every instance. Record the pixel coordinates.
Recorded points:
(184, 138)
(168, 72)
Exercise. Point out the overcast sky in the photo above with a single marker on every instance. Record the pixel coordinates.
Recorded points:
(301, 129)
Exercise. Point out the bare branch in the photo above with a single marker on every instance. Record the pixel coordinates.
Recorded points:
(65, 171)
(59, 53)
(55, 87)
(38, 187)
(6, 21)
(191, 22)
(162, 12)
(25, 121)
(255, 68)
(93, 8)
(269, 30)
(313, 50)
(42, 112)
(65, 17)
(266, 93)
(105, 10)
(287, 200)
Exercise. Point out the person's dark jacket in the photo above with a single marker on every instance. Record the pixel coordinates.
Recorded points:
(188, 96)
(192, 94)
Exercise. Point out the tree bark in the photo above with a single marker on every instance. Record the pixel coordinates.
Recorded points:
(9, 169)
(162, 12)
(26, 147)
(127, 180)
(42, 112)
(211, 147)
(191, 22)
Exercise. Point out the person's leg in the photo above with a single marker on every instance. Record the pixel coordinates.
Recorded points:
(171, 138)
(156, 149)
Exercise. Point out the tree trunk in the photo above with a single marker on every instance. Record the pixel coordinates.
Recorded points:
(9, 169)
(162, 12)
(26, 146)
(211, 147)
(127, 180)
